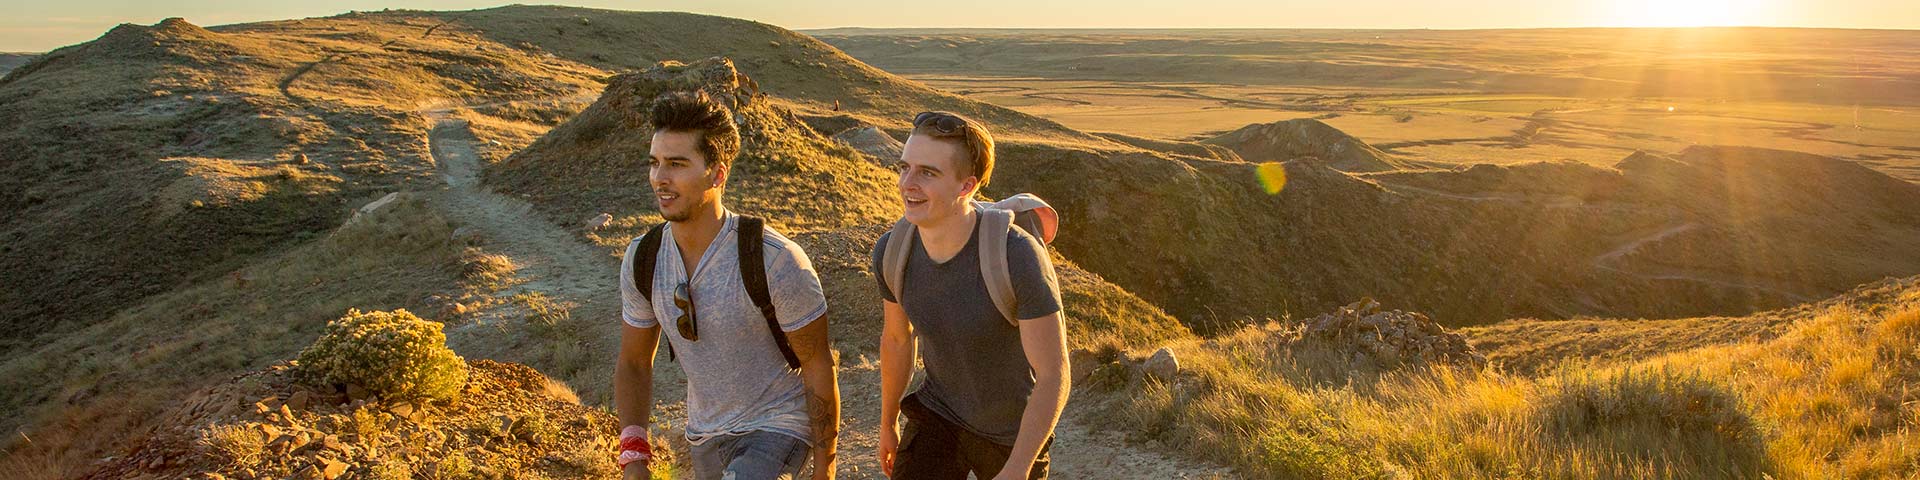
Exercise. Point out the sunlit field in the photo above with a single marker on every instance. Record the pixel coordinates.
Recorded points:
(1500, 97)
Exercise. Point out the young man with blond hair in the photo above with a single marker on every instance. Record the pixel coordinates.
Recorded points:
(996, 379)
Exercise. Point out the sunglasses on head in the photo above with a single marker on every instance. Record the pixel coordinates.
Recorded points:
(689, 324)
(940, 123)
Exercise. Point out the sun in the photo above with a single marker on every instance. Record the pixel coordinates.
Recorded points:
(1689, 13)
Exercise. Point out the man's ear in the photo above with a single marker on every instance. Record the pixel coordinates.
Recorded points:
(972, 186)
(720, 173)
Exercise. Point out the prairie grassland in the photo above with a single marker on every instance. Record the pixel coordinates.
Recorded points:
(1475, 127)
(1465, 97)
(1829, 398)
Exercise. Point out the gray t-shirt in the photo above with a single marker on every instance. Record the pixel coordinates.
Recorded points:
(977, 373)
(737, 381)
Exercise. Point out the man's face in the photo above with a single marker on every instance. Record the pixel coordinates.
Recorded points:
(935, 182)
(682, 183)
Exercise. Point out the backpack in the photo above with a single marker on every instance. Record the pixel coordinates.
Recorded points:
(1024, 211)
(752, 272)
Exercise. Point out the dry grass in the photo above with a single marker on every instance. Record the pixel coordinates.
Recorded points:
(235, 444)
(116, 374)
(1830, 398)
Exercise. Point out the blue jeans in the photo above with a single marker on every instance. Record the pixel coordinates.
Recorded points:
(758, 455)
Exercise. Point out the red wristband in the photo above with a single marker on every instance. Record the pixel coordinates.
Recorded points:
(634, 447)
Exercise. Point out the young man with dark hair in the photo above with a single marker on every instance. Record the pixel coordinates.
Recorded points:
(995, 385)
(762, 393)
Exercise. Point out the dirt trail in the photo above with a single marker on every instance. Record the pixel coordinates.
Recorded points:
(555, 263)
(1607, 261)
(1608, 258)
(551, 260)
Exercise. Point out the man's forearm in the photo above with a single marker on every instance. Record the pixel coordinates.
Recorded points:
(633, 394)
(633, 375)
(896, 370)
(1037, 422)
(823, 408)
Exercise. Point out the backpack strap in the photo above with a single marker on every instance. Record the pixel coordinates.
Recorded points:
(753, 272)
(995, 224)
(644, 258)
(893, 260)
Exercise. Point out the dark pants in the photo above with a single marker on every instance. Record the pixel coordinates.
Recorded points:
(932, 448)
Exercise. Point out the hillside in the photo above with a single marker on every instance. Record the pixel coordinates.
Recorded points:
(10, 61)
(164, 154)
(454, 102)
(1306, 137)
(1815, 391)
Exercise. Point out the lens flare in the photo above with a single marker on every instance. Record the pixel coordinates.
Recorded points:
(1272, 176)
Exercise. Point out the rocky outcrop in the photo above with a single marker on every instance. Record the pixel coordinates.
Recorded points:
(1389, 337)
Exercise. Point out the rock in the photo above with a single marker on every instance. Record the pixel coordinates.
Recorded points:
(1080, 364)
(282, 445)
(402, 409)
(309, 473)
(506, 423)
(332, 443)
(1161, 365)
(357, 393)
(331, 469)
(467, 235)
(300, 400)
(299, 440)
(599, 221)
(374, 206)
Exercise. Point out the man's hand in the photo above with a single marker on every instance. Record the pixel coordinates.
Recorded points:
(889, 442)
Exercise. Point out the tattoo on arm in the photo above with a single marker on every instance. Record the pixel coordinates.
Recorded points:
(811, 343)
(824, 413)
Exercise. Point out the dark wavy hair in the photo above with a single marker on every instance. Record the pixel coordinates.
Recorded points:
(696, 112)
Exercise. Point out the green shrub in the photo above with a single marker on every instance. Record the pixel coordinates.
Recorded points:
(393, 354)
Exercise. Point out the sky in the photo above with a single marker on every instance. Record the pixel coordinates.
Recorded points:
(38, 25)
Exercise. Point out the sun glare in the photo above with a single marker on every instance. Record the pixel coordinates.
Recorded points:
(1691, 13)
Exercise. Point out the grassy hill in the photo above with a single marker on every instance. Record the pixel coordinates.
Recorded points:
(10, 61)
(1817, 391)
